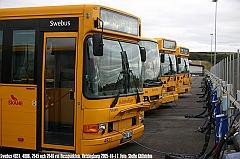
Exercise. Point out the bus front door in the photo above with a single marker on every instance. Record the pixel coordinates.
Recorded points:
(58, 108)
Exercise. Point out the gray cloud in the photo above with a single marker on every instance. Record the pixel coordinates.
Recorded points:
(189, 22)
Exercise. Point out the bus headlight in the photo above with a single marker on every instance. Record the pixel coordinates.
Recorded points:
(102, 126)
(145, 98)
(164, 89)
(141, 117)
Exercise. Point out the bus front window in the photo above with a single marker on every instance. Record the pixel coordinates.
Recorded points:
(169, 65)
(151, 66)
(104, 74)
(186, 62)
(183, 67)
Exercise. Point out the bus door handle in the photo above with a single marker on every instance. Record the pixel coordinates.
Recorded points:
(71, 92)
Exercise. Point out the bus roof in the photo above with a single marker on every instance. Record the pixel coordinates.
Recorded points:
(182, 51)
(148, 39)
(161, 46)
(63, 10)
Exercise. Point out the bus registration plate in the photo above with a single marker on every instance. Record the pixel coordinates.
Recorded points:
(126, 136)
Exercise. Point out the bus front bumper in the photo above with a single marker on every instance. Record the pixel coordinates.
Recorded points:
(169, 97)
(154, 104)
(183, 89)
(111, 141)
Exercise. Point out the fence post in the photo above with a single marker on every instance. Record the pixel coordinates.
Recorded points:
(227, 70)
(230, 69)
(238, 78)
(238, 95)
(233, 75)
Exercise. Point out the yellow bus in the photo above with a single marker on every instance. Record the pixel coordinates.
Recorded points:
(183, 73)
(70, 78)
(168, 72)
(152, 85)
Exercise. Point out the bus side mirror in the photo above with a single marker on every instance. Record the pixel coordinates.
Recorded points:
(179, 60)
(97, 44)
(143, 54)
(162, 58)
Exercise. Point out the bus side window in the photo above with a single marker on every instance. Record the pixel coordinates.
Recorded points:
(23, 50)
(1, 36)
(91, 70)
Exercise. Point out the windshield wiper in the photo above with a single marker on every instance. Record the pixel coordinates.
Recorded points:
(115, 100)
(186, 66)
(126, 77)
(149, 81)
(171, 69)
(118, 94)
(152, 82)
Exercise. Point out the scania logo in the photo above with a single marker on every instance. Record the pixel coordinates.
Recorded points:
(14, 101)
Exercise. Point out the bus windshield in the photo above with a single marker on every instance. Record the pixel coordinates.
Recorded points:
(151, 67)
(104, 74)
(169, 66)
(183, 67)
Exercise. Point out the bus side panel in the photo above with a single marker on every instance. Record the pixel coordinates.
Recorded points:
(0, 121)
(18, 116)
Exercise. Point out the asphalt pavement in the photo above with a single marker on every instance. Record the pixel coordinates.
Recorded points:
(167, 130)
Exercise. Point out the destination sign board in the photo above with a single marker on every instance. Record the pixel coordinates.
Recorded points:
(168, 44)
(184, 51)
(119, 22)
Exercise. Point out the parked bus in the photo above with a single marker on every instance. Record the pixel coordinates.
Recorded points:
(168, 72)
(152, 85)
(183, 73)
(70, 78)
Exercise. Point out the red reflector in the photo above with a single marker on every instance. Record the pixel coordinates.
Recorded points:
(20, 139)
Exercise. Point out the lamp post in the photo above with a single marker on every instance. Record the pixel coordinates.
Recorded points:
(211, 48)
(215, 31)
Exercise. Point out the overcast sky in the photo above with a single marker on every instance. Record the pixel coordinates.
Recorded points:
(189, 22)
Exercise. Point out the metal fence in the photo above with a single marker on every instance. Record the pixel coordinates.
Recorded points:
(228, 70)
(226, 76)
